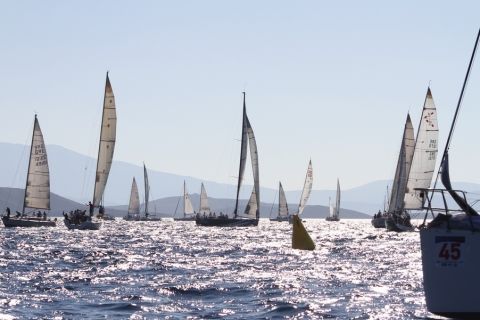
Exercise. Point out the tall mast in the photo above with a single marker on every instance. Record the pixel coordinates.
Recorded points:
(28, 170)
(107, 84)
(242, 155)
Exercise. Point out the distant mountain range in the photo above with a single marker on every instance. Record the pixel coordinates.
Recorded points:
(72, 176)
(13, 198)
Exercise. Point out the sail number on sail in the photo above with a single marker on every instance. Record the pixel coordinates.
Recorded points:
(40, 155)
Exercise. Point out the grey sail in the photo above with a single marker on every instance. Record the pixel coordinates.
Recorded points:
(425, 155)
(147, 188)
(37, 189)
(243, 154)
(252, 207)
(307, 188)
(337, 202)
(204, 207)
(405, 156)
(134, 205)
(256, 177)
(282, 202)
(107, 143)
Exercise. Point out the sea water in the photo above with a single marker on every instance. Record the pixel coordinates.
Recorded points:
(177, 270)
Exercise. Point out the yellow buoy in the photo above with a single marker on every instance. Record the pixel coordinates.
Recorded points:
(300, 237)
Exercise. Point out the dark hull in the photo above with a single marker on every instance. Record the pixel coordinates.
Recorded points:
(27, 223)
(279, 219)
(394, 223)
(87, 225)
(379, 222)
(221, 222)
(184, 219)
(332, 219)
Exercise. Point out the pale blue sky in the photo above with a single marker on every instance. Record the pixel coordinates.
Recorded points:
(330, 80)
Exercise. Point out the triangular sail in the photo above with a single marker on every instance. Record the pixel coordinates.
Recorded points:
(254, 158)
(147, 188)
(37, 189)
(243, 153)
(107, 143)
(134, 204)
(187, 203)
(307, 188)
(282, 202)
(403, 167)
(337, 202)
(252, 207)
(425, 155)
(204, 207)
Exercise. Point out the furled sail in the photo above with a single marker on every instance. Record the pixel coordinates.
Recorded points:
(204, 207)
(134, 205)
(37, 189)
(403, 168)
(282, 202)
(187, 203)
(147, 187)
(107, 143)
(307, 188)
(424, 156)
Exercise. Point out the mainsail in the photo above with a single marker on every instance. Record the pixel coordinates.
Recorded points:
(37, 189)
(134, 205)
(187, 203)
(248, 138)
(204, 207)
(147, 188)
(307, 188)
(425, 155)
(403, 167)
(337, 202)
(282, 202)
(107, 143)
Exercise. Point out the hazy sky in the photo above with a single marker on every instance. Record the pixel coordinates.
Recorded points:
(327, 80)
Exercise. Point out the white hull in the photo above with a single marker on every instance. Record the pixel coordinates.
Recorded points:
(451, 265)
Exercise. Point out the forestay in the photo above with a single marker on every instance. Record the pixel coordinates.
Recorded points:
(307, 188)
(425, 155)
(37, 189)
(134, 205)
(107, 143)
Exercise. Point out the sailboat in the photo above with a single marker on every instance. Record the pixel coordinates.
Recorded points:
(251, 215)
(133, 212)
(451, 241)
(37, 187)
(335, 209)
(378, 219)
(104, 162)
(188, 212)
(283, 213)
(307, 189)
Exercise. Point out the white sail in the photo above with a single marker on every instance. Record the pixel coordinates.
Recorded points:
(252, 207)
(204, 207)
(37, 189)
(337, 201)
(107, 143)
(147, 187)
(331, 208)
(254, 158)
(134, 205)
(187, 203)
(403, 167)
(307, 188)
(282, 202)
(425, 155)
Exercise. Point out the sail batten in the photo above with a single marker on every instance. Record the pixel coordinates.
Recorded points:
(107, 143)
(37, 187)
(307, 188)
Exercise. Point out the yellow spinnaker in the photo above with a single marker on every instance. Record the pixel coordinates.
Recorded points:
(300, 237)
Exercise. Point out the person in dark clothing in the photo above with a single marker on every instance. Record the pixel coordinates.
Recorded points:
(8, 212)
(91, 207)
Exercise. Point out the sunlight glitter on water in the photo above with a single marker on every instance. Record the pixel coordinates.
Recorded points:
(140, 269)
